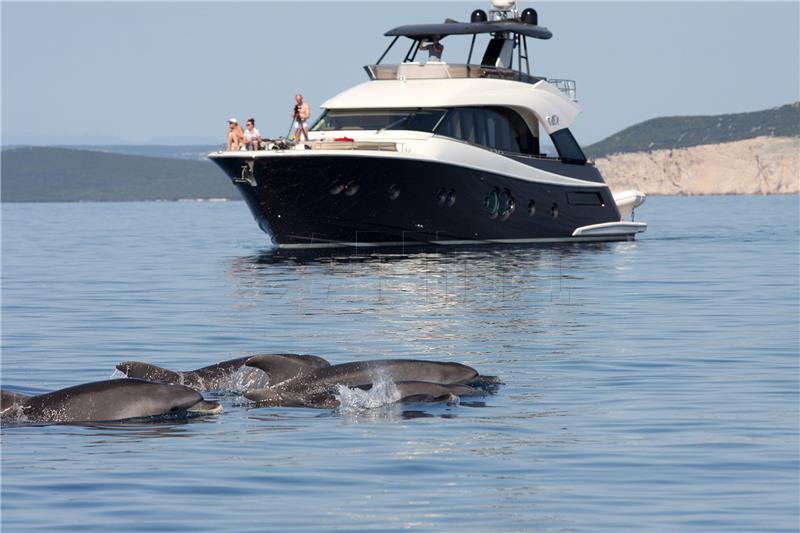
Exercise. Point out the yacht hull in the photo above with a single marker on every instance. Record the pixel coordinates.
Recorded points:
(317, 201)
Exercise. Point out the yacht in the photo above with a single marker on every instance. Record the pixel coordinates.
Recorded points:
(428, 152)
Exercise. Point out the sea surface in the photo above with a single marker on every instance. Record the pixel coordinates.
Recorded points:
(649, 385)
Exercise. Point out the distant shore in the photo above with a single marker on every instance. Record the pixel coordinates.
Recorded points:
(763, 165)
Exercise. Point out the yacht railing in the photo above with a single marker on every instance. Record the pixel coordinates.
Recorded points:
(440, 70)
(414, 70)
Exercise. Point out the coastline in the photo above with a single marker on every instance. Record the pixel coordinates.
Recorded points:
(758, 166)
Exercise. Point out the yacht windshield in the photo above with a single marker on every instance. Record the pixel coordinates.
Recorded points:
(379, 119)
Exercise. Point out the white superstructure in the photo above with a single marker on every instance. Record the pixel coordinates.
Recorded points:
(540, 103)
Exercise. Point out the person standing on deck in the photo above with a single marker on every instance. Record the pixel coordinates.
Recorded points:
(300, 113)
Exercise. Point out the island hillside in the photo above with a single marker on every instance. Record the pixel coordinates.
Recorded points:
(48, 174)
(764, 165)
(670, 133)
(744, 153)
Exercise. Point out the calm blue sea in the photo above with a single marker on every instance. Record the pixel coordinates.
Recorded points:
(649, 386)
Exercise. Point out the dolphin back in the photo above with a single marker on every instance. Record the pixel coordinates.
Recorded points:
(115, 399)
(361, 373)
(282, 367)
(146, 371)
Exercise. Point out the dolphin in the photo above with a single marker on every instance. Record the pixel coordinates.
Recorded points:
(323, 381)
(402, 392)
(226, 375)
(109, 400)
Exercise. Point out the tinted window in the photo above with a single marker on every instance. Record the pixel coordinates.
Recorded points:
(492, 127)
(376, 119)
(567, 147)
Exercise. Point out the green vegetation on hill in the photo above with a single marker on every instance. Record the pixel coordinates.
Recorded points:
(46, 174)
(683, 132)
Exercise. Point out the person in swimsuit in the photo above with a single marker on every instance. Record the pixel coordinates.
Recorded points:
(300, 114)
(235, 135)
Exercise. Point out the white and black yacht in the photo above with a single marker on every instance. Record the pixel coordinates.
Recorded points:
(429, 152)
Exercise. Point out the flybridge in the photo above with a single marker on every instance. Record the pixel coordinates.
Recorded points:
(509, 30)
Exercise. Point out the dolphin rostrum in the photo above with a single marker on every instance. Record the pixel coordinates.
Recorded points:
(104, 401)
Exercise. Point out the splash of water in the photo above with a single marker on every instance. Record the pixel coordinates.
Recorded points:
(14, 414)
(117, 374)
(353, 401)
(246, 378)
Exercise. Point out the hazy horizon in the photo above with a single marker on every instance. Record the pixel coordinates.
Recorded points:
(124, 73)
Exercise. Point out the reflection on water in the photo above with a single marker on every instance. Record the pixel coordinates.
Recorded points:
(102, 434)
(135, 428)
(432, 301)
(491, 277)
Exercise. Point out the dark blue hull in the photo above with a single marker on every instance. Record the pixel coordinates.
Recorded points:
(345, 200)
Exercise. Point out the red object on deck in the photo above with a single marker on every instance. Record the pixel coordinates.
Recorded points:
(344, 139)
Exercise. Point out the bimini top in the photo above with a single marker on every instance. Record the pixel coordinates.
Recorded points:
(418, 31)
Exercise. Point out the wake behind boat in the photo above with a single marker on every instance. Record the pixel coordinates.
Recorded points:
(437, 153)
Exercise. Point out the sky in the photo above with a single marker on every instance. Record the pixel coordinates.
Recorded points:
(174, 72)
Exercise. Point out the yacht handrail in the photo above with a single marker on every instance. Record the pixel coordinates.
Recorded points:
(447, 70)
(441, 70)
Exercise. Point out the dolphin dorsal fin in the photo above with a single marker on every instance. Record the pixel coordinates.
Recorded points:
(281, 367)
(146, 371)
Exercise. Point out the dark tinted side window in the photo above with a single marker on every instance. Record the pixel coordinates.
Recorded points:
(492, 127)
(568, 149)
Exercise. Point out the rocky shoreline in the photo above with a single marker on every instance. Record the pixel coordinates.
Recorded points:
(762, 165)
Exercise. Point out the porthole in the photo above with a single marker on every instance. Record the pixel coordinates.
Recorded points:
(507, 204)
(441, 197)
(394, 191)
(554, 211)
(491, 203)
(532, 208)
(351, 188)
(336, 187)
(446, 197)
